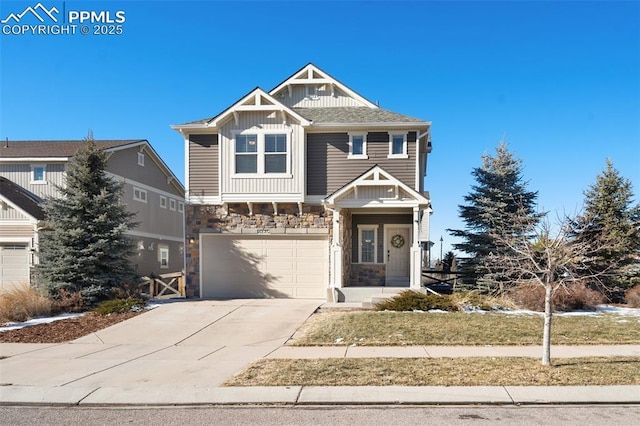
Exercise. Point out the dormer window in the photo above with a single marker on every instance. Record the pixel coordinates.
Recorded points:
(358, 146)
(262, 154)
(398, 145)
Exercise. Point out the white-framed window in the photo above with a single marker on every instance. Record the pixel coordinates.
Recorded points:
(367, 244)
(141, 159)
(398, 145)
(163, 256)
(312, 92)
(181, 207)
(358, 146)
(163, 202)
(140, 195)
(172, 204)
(265, 154)
(38, 174)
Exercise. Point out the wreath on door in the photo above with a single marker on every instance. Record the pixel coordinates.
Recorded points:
(397, 241)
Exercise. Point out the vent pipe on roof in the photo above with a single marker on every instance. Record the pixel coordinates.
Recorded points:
(6, 143)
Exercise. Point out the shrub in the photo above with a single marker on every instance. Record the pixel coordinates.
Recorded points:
(474, 300)
(118, 306)
(632, 297)
(410, 300)
(66, 301)
(22, 303)
(572, 297)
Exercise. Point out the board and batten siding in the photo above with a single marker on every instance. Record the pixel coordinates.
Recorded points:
(204, 173)
(329, 168)
(299, 98)
(260, 184)
(20, 173)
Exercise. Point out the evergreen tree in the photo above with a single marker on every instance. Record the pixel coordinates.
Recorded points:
(610, 216)
(499, 204)
(84, 247)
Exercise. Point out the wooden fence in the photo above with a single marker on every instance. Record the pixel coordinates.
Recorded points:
(165, 286)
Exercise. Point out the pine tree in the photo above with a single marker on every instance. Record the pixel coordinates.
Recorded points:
(498, 203)
(610, 216)
(84, 247)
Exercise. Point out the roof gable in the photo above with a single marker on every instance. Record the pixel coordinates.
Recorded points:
(369, 187)
(311, 74)
(21, 199)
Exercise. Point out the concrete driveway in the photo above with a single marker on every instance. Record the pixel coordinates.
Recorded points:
(185, 343)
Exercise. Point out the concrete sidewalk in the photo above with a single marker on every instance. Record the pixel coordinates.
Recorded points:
(181, 354)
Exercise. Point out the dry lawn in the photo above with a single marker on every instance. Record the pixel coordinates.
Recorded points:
(440, 372)
(458, 328)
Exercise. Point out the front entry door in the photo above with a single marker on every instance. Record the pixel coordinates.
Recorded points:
(398, 243)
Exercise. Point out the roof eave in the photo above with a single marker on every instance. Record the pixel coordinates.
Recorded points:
(406, 124)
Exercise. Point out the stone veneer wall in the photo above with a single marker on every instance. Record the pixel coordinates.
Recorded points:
(368, 274)
(213, 218)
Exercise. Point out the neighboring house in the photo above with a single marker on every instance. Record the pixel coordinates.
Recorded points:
(304, 191)
(30, 172)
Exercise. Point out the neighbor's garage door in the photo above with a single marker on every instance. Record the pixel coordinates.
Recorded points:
(14, 265)
(264, 266)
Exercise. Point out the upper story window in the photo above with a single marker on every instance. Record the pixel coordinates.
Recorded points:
(358, 146)
(398, 145)
(163, 202)
(172, 204)
(141, 159)
(262, 153)
(312, 92)
(275, 157)
(38, 174)
(181, 207)
(140, 195)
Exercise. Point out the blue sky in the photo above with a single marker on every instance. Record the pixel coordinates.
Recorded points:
(559, 80)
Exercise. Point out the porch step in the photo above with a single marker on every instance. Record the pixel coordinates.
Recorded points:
(366, 294)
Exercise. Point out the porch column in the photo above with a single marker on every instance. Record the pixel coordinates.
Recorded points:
(336, 252)
(415, 263)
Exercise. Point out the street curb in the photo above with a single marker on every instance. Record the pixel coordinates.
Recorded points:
(318, 395)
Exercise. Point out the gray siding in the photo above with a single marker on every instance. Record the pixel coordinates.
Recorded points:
(328, 168)
(20, 173)
(375, 219)
(125, 163)
(204, 173)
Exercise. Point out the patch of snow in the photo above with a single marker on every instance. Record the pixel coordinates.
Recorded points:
(35, 321)
(339, 340)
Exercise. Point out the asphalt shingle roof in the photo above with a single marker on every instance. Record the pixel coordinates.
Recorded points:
(34, 149)
(347, 115)
(27, 201)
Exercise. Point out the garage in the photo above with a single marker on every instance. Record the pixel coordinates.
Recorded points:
(14, 265)
(264, 266)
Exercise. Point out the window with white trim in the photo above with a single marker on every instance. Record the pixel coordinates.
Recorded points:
(367, 244)
(38, 174)
(180, 207)
(141, 159)
(262, 153)
(172, 204)
(139, 195)
(398, 145)
(358, 146)
(163, 202)
(163, 256)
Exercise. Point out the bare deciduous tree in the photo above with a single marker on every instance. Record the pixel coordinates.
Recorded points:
(548, 258)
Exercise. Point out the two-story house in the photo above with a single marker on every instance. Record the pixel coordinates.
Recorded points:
(32, 170)
(305, 191)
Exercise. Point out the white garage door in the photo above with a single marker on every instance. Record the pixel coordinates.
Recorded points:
(264, 266)
(14, 265)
